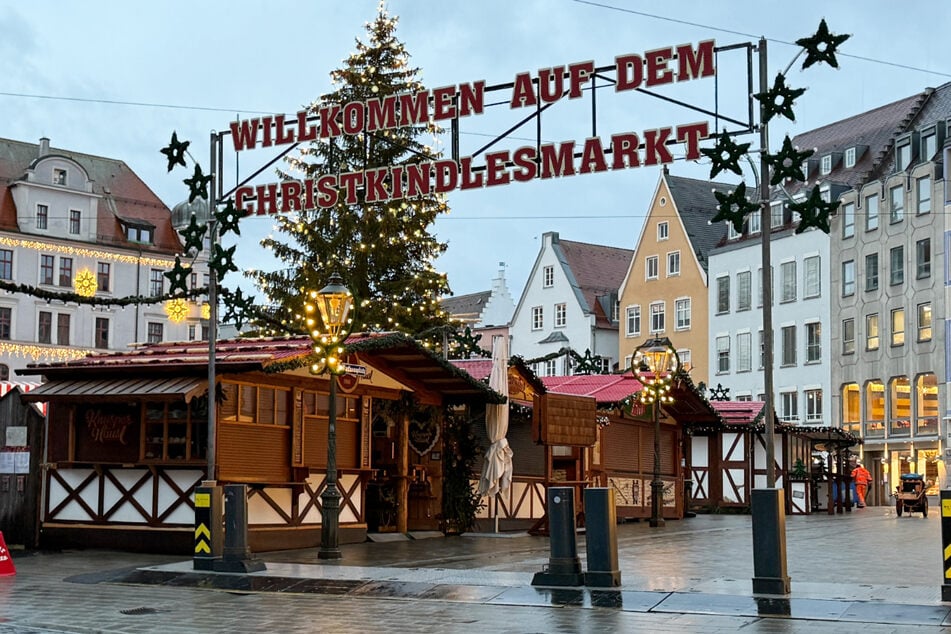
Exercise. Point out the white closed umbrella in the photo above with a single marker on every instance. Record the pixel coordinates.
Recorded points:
(497, 467)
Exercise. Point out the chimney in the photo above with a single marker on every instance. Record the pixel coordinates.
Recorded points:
(44, 147)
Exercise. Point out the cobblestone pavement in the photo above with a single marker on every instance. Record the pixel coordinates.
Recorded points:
(867, 571)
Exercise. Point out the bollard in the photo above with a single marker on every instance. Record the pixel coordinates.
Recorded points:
(564, 567)
(769, 542)
(236, 556)
(208, 527)
(946, 543)
(600, 517)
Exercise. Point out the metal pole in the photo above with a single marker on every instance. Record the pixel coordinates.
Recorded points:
(657, 486)
(329, 542)
(212, 310)
(767, 278)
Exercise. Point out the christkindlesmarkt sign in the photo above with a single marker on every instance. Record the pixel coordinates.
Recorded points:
(624, 150)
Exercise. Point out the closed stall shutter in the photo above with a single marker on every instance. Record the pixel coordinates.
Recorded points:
(619, 442)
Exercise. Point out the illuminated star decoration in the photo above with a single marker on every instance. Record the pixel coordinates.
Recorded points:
(175, 151)
(467, 344)
(228, 218)
(734, 207)
(178, 277)
(814, 212)
(779, 99)
(821, 46)
(719, 393)
(725, 155)
(197, 184)
(194, 235)
(787, 163)
(222, 261)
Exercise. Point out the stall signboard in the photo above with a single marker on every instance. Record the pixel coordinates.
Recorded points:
(107, 432)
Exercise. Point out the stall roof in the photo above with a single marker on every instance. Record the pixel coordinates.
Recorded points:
(481, 368)
(750, 414)
(607, 389)
(119, 389)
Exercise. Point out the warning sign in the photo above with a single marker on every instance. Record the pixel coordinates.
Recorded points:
(6, 561)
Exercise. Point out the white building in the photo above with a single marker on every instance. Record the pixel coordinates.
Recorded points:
(83, 225)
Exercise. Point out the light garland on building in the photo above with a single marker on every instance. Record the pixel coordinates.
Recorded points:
(41, 353)
(85, 283)
(36, 245)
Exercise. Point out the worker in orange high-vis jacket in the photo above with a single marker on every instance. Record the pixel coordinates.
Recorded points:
(861, 477)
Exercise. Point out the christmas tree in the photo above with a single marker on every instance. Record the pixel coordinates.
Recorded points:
(384, 251)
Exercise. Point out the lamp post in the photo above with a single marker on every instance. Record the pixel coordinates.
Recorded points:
(654, 364)
(333, 302)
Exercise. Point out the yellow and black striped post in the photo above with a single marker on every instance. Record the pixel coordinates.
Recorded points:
(946, 543)
(208, 527)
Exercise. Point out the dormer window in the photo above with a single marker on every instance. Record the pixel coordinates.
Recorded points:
(139, 234)
(906, 148)
(59, 176)
(826, 166)
(850, 158)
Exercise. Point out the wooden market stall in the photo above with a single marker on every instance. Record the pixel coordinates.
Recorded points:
(128, 434)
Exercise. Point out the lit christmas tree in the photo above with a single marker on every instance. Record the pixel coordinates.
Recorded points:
(384, 251)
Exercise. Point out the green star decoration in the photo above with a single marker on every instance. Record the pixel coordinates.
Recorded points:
(725, 155)
(175, 152)
(236, 308)
(222, 261)
(779, 99)
(197, 184)
(194, 235)
(467, 344)
(821, 46)
(228, 218)
(734, 207)
(178, 277)
(787, 163)
(814, 212)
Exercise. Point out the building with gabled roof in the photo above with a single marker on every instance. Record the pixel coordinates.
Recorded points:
(664, 290)
(486, 313)
(568, 308)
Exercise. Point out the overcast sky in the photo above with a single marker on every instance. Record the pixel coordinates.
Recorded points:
(116, 78)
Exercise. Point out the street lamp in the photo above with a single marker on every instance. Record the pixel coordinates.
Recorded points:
(333, 302)
(654, 364)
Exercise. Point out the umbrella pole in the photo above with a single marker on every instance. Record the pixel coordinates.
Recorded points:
(497, 512)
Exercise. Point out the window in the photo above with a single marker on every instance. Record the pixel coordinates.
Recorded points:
(789, 345)
(848, 336)
(102, 332)
(788, 272)
(66, 271)
(548, 277)
(775, 215)
(871, 272)
(261, 405)
(898, 326)
(811, 280)
(899, 412)
(875, 408)
(723, 355)
(871, 332)
(538, 318)
(192, 332)
(633, 321)
(6, 264)
(673, 263)
(6, 322)
(871, 213)
(903, 155)
(813, 342)
(42, 216)
(924, 195)
(731, 232)
(682, 313)
(139, 234)
(852, 408)
(651, 266)
(924, 322)
(929, 145)
(813, 406)
(4, 372)
(103, 270)
(657, 317)
(825, 166)
(744, 352)
(923, 258)
(663, 231)
(616, 312)
(926, 392)
(62, 329)
(896, 258)
(754, 222)
(848, 278)
(75, 219)
(762, 351)
(561, 312)
(551, 367)
(896, 204)
(155, 332)
(848, 220)
(59, 176)
(685, 359)
(723, 295)
(789, 407)
(850, 158)
(744, 290)
(156, 282)
(47, 264)
(44, 327)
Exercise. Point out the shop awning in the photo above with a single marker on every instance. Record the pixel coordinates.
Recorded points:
(166, 388)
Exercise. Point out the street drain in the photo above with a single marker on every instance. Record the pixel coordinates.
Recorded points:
(138, 611)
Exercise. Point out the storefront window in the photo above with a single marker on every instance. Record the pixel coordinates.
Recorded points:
(851, 409)
(926, 393)
(175, 431)
(899, 413)
(874, 409)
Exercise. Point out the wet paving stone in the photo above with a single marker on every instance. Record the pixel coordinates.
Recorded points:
(323, 586)
(536, 596)
(392, 589)
(897, 613)
(465, 594)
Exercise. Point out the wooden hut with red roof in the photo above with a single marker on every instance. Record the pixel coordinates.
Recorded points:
(128, 435)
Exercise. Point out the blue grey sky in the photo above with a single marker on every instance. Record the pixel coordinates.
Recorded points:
(116, 78)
